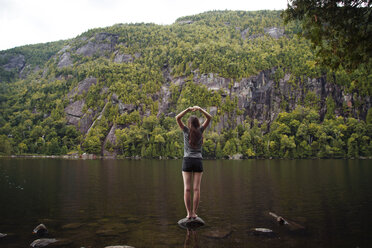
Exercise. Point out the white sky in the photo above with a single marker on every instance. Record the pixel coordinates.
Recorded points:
(37, 21)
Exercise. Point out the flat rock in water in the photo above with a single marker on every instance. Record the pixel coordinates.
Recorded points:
(262, 231)
(111, 229)
(191, 223)
(42, 242)
(217, 234)
(2, 235)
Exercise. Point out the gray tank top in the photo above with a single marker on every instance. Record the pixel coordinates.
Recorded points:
(189, 152)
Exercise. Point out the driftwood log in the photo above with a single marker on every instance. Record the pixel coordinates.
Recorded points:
(291, 225)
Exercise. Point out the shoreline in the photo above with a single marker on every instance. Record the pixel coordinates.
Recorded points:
(96, 157)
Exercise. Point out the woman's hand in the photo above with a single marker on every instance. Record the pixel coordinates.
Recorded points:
(196, 108)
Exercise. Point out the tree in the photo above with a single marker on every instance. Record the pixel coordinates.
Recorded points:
(5, 146)
(340, 30)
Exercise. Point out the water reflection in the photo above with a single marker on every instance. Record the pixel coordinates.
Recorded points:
(139, 202)
(191, 239)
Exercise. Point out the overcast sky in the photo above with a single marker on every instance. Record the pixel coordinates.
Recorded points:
(37, 21)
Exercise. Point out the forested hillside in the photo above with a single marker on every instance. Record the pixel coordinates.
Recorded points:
(116, 90)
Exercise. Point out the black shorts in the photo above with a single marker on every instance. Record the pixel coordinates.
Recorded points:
(192, 164)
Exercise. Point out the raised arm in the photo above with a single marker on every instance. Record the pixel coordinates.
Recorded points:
(180, 115)
(206, 114)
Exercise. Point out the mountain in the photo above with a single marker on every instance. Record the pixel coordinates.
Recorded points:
(115, 91)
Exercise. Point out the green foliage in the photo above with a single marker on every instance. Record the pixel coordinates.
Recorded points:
(340, 30)
(32, 118)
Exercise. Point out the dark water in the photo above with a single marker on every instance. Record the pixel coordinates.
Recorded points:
(137, 203)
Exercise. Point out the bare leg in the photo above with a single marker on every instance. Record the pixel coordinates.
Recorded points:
(187, 191)
(196, 188)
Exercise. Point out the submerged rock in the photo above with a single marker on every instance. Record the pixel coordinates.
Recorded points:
(119, 246)
(40, 230)
(217, 234)
(112, 229)
(72, 226)
(191, 223)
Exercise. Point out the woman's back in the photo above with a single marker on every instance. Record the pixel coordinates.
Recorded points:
(188, 151)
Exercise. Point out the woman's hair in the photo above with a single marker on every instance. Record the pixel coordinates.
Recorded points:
(195, 132)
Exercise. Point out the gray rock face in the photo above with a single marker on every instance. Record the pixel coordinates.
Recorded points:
(65, 60)
(15, 62)
(100, 44)
(261, 97)
(82, 87)
(164, 100)
(274, 32)
(111, 137)
(122, 106)
(121, 58)
(244, 33)
(75, 109)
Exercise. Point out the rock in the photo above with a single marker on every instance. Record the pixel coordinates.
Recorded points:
(217, 234)
(122, 106)
(82, 87)
(244, 33)
(99, 45)
(42, 242)
(258, 231)
(65, 60)
(236, 156)
(3, 235)
(119, 246)
(186, 223)
(122, 57)
(274, 32)
(40, 230)
(164, 100)
(112, 229)
(14, 62)
(111, 138)
(72, 226)
(75, 109)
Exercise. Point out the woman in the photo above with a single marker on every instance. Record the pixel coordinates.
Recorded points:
(192, 160)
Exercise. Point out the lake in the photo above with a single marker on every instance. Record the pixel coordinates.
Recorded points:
(97, 203)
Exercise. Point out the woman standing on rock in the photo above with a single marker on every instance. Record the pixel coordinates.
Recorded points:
(192, 165)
